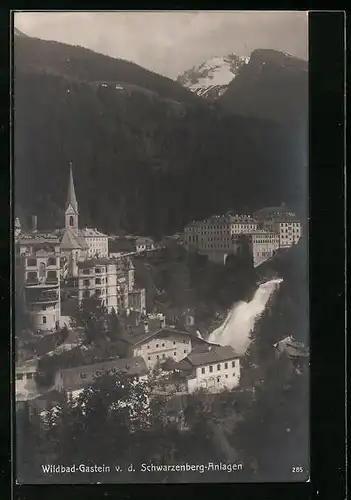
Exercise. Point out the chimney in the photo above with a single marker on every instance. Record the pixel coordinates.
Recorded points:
(34, 222)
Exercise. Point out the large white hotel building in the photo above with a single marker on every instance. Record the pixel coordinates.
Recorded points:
(218, 236)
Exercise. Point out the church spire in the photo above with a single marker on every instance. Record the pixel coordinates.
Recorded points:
(71, 195)
(71, 213)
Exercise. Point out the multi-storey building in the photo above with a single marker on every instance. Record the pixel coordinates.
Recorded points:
(219, 236)
(282, 221)
(157, 346)
(213, 368)
(263, 245)
(98, 277)
(97, 242)
(37, 277)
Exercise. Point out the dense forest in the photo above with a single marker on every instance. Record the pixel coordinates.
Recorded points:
(149, 157)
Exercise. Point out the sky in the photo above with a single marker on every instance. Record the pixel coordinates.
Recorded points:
(171, 42)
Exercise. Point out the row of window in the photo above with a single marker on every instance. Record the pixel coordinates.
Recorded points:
(162, 345)
(21, 376)
(219, 366)
(163, 356)
(97, 270)
(32, 262)
(98, 281)
(33, 275)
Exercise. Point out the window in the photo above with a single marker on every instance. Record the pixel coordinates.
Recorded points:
(218, 367)
(163, 355)
(19, 376)
(156, 345)
(43, 308)
(233, 364)
(86, 294)
(202, 370)
(52, 275)
(98, 281)
(98, 270)
(148, 346)
(51, 261)
(29, 376)
(163, 345)
(31, 262)
(148, 357)
(211, 369)
(157, 356)
(225, 365)
(226, 376)
(174, 354)
(71, 221)
(184, 351)
(218, 379)
(98, 292)
(44, 320)
(86, 282)
(86, 271)
(173, 342)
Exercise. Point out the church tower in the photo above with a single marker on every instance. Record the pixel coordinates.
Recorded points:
(71, 212)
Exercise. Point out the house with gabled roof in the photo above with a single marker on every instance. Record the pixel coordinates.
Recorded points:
(71, 380)
(212, 368)
(156, 342)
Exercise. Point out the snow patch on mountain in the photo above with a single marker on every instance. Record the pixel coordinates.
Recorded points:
(211, 78)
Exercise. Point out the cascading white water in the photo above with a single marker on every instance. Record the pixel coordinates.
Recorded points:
(241, 319)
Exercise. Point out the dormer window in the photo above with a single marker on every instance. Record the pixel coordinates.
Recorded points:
(71, 220)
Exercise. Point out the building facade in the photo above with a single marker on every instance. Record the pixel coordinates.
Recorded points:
(213, 369)
(156, 343)
(69, 380)
(97, 242)
(144, 244)
(98, 277)
(282, 221)
(219, 236)
(37, 278)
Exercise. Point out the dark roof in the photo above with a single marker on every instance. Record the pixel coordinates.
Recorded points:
(72, 240)
(131, 366)
(86, 264)
(138, 334)
(212, 355)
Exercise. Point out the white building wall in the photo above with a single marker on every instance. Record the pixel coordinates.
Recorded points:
(26, 380)
(159, 349)
(289, 233)
(103, 282)
(98, 245)
(216, 377)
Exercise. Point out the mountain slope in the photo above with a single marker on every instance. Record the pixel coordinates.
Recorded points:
(84, 65)
(272, 85)
(211, 78)
(148, 157)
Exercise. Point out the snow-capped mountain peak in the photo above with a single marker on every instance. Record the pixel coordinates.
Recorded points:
(211, 78)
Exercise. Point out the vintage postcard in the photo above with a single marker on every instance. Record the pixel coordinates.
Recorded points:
(161, 246)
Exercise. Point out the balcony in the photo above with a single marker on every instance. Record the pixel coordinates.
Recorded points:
(42, 298)
(51, 281)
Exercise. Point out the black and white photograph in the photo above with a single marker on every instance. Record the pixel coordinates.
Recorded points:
(161, 309)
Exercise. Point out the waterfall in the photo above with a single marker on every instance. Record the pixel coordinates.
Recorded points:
(241, 319)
